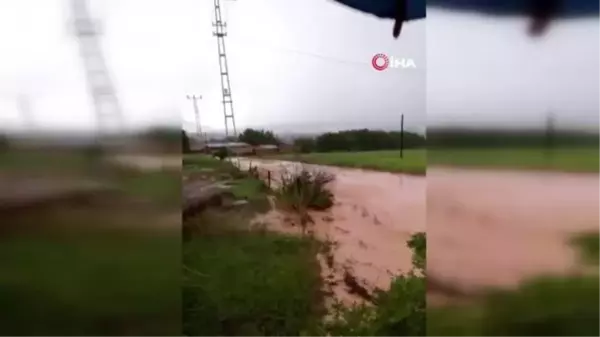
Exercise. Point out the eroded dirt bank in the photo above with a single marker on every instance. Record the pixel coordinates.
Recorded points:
(375, 213)
(495, 228)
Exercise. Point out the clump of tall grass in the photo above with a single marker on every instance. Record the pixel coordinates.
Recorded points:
(305, 190)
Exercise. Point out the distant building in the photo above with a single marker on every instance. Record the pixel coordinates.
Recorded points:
(266, 149)
(235, 148)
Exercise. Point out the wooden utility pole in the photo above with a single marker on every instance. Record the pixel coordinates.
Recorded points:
(402, 136)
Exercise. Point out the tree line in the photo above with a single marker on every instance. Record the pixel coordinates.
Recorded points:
(359, 140)
(348, 140)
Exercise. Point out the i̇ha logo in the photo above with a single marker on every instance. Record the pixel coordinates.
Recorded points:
(381, 62)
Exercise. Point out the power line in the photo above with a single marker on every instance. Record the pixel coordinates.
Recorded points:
(305, 53)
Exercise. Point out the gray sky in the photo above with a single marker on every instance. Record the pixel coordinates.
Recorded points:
(490, 72)
(307, 63)
(304, 63)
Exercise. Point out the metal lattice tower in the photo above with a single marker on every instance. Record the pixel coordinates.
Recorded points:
(100, 86)
(220, 33)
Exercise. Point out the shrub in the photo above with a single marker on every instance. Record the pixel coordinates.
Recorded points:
(4, 143)
(222, 153)
(303, 191)
(306, 190)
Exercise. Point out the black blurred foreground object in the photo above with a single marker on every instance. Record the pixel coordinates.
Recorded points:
(399, 10)
(541, 12)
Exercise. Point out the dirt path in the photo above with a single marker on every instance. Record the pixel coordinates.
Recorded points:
(374, 215)
(495, 228)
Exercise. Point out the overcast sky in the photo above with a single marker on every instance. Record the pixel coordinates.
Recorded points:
(296, 65)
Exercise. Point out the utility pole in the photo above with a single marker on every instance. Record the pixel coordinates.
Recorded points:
(106, 105)
(194, 99)
(220, 33)
(550, 141)
(402, 136)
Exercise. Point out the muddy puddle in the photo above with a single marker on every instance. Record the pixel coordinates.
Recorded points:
(375, 213)
(496, 228)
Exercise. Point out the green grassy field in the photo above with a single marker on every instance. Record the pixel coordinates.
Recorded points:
(241, 280)
(568, 160)
(66, 273)
(414, 161)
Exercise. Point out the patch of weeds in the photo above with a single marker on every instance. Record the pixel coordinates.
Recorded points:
(97, 282)
(250, 283)
(302, 191)
(200, 161)
(306, 190)
(418, 244)
(162, 187)
(588, 246)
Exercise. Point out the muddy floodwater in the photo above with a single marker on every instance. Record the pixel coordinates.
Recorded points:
(375, 213)
(496, 228)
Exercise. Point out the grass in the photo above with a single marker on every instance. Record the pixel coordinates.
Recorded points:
(160, 187)
(305, 190)
(243, 185)
(191, 161)
(250, 283)
(561, 159)
(588, 245)
(239, 280)
(414, 161)
(87, 279)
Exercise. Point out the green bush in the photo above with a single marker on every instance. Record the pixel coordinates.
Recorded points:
(222, 153)
(306, 190)
(4, 143)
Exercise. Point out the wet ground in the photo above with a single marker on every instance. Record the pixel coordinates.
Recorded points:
(375, 213)
(496, 228)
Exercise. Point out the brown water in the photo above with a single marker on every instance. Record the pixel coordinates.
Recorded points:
(375, 213)
(496, 228)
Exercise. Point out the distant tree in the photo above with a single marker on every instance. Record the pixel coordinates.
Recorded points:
(305, 144)
(222, 153)
(366, 140)
(258, 137)
(4, 143)
(163, 138)
(185, 142)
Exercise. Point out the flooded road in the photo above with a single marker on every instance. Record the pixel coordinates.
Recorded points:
(375, 213)
(496, 228)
